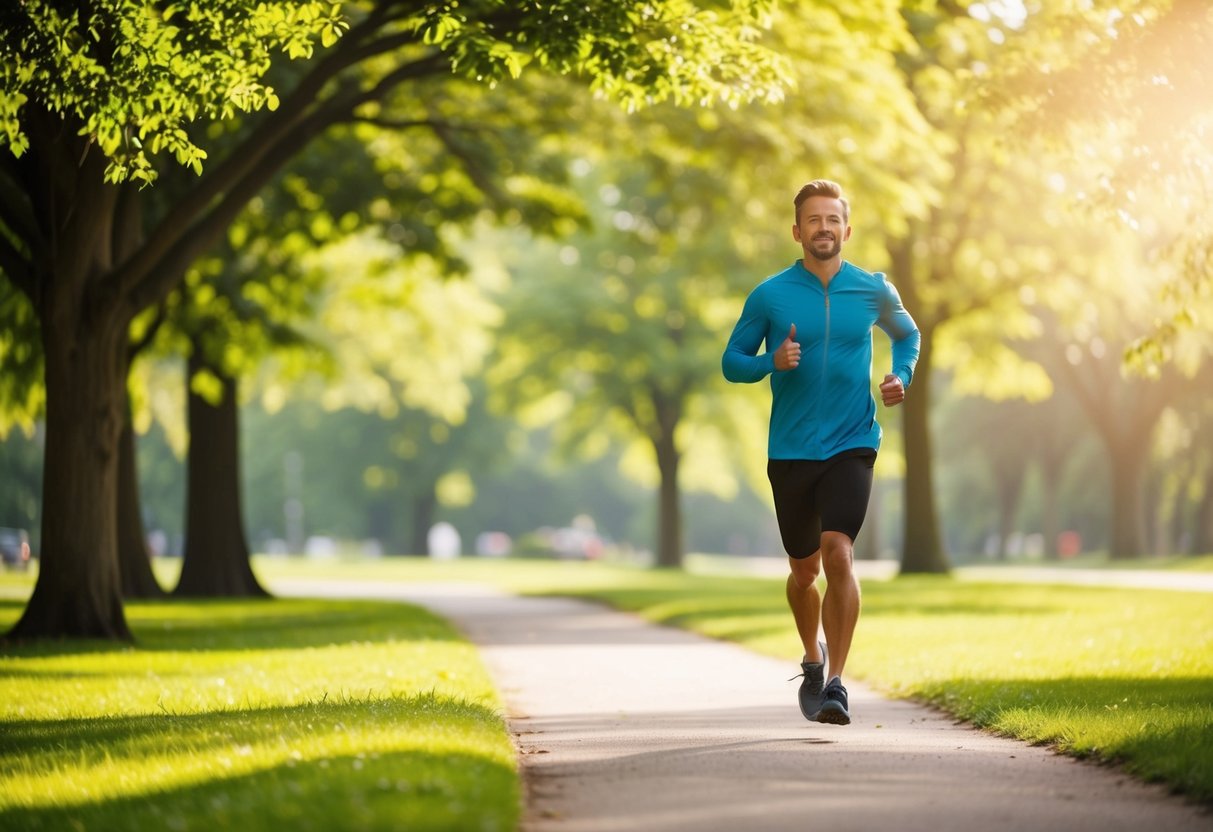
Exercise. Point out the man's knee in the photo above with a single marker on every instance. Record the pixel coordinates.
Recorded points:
(836, 554)
(805, 570)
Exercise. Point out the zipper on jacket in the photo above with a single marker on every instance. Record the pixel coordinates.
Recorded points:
(825, 361)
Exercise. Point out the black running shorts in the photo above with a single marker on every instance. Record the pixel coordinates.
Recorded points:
(816, 495)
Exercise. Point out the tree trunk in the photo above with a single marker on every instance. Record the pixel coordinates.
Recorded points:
(1128, 538)
(134, 559)
(423, 518)
(84, 335)
(78, 591)
(669, 506)
(216, 560)
(923, 549)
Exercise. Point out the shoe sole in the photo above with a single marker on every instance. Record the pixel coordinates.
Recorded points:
(833, 715)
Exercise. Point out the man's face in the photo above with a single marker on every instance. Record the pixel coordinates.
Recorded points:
(822, 229)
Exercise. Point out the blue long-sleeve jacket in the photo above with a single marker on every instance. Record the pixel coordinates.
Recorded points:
(824, 405)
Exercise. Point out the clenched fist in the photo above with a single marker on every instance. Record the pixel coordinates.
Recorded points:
(892, 391)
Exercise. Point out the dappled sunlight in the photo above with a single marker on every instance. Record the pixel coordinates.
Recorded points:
(361, 649)
(89, 761)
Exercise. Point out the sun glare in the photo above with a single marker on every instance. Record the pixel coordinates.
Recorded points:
(1010, 13)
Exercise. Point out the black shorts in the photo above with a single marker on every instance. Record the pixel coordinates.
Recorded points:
(816, 495)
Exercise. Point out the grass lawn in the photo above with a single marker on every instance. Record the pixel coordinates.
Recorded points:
(255, 715)
(1115, 674)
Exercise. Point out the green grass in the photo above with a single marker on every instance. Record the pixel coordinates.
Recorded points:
(1113, 674)
(257, 715)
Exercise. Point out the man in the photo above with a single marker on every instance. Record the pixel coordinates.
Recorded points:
(816, 318)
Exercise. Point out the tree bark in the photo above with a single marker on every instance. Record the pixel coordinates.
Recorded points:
(78, 591)
(216, 562)
(134, 559)
(669, 505)
(923, 549)
(84, 333)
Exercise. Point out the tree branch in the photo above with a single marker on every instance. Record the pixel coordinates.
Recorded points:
(176, 248)
(247, 157)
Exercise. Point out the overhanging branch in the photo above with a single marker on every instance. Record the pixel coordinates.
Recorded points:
(250, 155)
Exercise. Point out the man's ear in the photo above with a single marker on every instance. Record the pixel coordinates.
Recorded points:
(846, 235)
(796, 233)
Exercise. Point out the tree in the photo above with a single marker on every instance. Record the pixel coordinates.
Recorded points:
(89, 102)
(1083, 352)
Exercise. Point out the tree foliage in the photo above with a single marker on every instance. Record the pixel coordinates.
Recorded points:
(81, 110)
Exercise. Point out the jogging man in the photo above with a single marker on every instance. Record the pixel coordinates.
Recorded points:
(816, 319)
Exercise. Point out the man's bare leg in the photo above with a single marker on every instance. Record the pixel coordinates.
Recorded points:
(805, 601)
(840, 607)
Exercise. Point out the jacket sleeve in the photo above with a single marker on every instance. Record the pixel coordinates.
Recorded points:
(902, 331)
(741, 361)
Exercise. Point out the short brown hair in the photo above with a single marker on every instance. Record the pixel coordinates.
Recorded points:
(823, 187)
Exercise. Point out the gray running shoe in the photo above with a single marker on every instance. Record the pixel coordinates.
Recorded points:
(812, 689)
(834, 707)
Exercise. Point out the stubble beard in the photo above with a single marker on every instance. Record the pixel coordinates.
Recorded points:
(825, 254)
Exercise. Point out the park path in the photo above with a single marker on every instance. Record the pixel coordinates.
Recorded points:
(623, 725)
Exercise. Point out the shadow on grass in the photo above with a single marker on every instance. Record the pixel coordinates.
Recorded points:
(247, 624)
(406, 790)
(385, 785)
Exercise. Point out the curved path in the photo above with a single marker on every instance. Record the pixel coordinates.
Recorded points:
(623, 725)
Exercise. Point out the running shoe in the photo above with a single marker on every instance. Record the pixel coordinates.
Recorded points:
(812, 689)
(834, 707)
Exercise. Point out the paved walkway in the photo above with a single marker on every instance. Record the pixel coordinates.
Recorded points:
(623, 725)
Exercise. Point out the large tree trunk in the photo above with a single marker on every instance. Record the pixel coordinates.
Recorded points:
(923, 545)
(216, 560)
(78, 591)
(669, 506)
(134, 559)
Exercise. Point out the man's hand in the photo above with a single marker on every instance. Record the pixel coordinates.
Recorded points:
(787, 357)
(892, 390)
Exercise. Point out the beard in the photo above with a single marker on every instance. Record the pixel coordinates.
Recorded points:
(825, 253)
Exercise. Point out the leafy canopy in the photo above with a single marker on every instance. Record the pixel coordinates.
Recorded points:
(132, 74)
